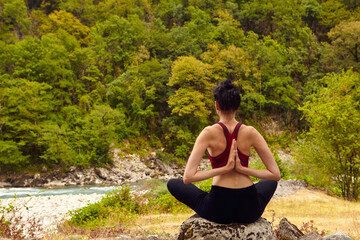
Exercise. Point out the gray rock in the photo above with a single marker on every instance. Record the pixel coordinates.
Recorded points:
(289, 231)
(337, 236)
(199, 228)
(4, 184)
(311, 236)
(103, 173)
(123, 237)
(287, 187)
(44, 169)
(153, 237)
(164, 167)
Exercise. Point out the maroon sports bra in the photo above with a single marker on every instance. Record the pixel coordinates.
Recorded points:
(221, 160)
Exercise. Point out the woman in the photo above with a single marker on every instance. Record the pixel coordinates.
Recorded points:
(233, 196)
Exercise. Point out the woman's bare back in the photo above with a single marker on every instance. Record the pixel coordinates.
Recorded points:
(217, 145)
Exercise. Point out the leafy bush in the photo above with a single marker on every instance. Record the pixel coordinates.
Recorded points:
(167, 203)
(11, 157)
(118, 201)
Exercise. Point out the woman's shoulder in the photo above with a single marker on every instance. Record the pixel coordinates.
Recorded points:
(212, 129)
(248, 130)
(208, 133)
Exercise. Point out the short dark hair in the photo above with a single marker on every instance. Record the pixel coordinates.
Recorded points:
(227, 95)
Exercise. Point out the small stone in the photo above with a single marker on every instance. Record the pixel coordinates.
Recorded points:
(73, 237)
(311, 236)
(72, 169)
(122, 237)
(152, 237)
(337, 236)
(44, 169)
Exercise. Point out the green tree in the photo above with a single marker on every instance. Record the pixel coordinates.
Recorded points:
(84, 10)
(192, 38)
(68, 22)
(190, 105)
(333, 114)
(115, 42)
(54, 139)
(141, 92)
(272, 89)
(345, 40)
(102, 128)
(47, 60)
(351, 3)
(171, 12)
(236, 64)
(312, 10)
(11, 157)
(158, 40)
(124, 8)
(227, 30)
(24, 106)
(14, 13)
(333, 12)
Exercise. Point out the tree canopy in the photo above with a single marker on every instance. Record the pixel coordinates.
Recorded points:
(78, 77)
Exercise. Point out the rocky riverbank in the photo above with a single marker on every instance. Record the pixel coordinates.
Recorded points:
(47, 211)
(128, 169)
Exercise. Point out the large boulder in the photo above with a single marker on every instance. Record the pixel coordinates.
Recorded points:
(197, 227)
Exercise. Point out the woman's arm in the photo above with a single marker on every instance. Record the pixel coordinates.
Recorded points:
(192, 174)
(272, 171)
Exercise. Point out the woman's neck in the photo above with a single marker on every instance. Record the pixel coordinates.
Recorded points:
(227, 118)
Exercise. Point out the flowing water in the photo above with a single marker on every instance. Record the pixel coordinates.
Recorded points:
(20, 192)
(37, 191)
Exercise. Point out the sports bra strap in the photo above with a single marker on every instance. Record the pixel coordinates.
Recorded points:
(236, 130)
(227, 130)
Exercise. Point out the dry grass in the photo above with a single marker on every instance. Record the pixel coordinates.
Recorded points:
(168, 223)
(327, 213)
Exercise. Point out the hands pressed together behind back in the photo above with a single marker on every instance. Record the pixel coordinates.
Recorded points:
(234, 160)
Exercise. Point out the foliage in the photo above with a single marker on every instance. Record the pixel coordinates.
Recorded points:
(123, 205)
(120, 200)
(332, 145)
(190, 105)
(345, 39)
(78, 77)
(66, 21)
(11, 157)
(14, 17)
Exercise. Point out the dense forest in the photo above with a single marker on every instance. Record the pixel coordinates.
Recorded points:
(80, 77)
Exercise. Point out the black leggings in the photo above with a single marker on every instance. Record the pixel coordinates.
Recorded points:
(225, 205)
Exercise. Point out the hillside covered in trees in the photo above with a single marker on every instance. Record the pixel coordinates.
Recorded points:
(79, 77)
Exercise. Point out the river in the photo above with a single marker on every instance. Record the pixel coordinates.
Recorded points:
(20, 192)
(36, 191)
